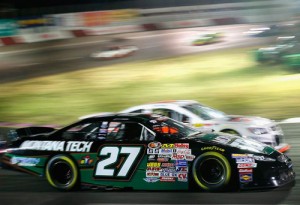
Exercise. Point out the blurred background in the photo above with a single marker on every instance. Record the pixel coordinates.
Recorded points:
(63, 59)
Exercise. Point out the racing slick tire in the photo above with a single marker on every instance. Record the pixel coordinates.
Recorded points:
(212, 172)
(62, 173)
(233, 132)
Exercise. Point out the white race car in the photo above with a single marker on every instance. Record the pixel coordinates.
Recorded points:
(203, 117)
(114, 52)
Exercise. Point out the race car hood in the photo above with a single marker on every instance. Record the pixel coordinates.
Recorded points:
(248, 120)
(228, 140)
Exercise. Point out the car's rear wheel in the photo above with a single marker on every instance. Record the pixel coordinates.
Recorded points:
(211, 171)
(62, 173)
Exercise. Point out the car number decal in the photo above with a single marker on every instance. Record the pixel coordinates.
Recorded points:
(117, 162)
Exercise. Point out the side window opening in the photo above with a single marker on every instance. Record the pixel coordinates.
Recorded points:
(172, 114)
(165, 112)
(147, 135)
(86, 131)
(128, 131)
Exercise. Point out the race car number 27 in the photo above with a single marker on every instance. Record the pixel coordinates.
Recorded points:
(117, 162)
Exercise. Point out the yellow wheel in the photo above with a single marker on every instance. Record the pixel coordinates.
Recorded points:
(62, 173)
(211, 171)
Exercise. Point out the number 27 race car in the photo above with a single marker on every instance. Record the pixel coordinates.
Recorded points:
(147, 152)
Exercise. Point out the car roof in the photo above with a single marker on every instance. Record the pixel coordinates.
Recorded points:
(133, 116)
(167, 103)
(177, 102)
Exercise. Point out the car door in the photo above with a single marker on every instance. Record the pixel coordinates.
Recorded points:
(117, 153)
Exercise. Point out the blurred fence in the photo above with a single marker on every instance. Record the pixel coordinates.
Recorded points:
(101, 22)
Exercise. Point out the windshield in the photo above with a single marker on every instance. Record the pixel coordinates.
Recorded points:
(168, 127)
(204, 112)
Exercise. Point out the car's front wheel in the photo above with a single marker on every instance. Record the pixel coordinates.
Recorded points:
(62, 173)
(211, 171)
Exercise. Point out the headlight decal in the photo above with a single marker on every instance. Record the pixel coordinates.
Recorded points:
(263, 158)
(258, 130)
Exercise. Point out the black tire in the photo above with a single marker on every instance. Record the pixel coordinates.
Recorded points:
(232, 132)
(62, 173)
(212, 172)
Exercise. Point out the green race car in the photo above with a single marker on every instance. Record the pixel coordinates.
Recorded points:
(280, 52)
(208, 38)
(147, 152)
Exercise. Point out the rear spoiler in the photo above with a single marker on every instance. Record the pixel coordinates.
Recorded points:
(18, 133)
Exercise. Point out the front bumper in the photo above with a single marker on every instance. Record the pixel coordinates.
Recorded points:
(283, 147)
(266, 176)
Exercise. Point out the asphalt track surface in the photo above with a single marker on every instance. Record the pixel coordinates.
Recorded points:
(27, 61)
(19, 188)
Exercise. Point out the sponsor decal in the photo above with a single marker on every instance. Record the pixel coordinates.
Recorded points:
(240, 155)
(86, 160)
(43, 145)
(153, 151)
(181, 163)
(164, 155)
(153, 164)
(161, 159)
(154, 145)
(70, 146)
(247, 165)
(24, 161)
(212, 148)
(183, 151)
(167, 165)
(167, 151)
(167, 179)
(151, 180)
(181, 169)
(153, 174)
(159, 163)
(189, 157)
(76, 146)
(244, 160)
(155, 169)
(182, 145)
(172, 169)
(168, 146)
(182, 177)
(246, 170)
(152, 157)
(168, 174)
(176, 156)
(244, 178)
